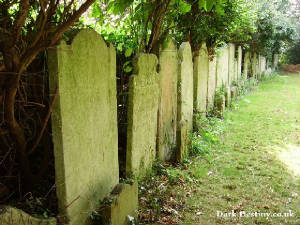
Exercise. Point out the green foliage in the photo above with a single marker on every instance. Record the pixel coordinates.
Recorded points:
(216, 23)
(275, 28)
(131, 24)
(206, 135)
(292, 54)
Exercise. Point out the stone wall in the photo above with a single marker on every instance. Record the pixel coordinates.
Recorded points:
(185, 100)
(142, 111)
(167, 109)
(84, 124)
(201, 62)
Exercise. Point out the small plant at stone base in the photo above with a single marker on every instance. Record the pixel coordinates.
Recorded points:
(97, 215)
(198, 145)
(207, 130)
(128, 180)
(243, 88)
(234, 83)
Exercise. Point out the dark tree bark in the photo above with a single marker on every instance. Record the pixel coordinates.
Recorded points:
(19, 49)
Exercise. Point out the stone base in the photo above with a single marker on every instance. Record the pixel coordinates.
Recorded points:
(121, 206)
(183, 142)
(13, 216)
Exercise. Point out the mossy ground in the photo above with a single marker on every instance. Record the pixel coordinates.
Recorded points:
(251, 163)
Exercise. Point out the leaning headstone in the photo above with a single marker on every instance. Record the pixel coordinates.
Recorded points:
(142, 115)
(239, 65)
(211, 83)
(84, 124)
(201, 62)
(222, 67)
(167, 110)
(120, 208)
(231, 67)
(13, 216)
(185, 100)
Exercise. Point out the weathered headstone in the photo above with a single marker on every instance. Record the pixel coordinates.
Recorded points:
(231, 67)
(185, 100)
(259, 67)
(222, 67)
(84, 124)
(263, 63)
(211, 83)
(227, 96)
(120, 208)
(167, 110)
(219, 106)
(142, 115)
(246, 67)
(254, 65)
(201, 62)
(233, 92)
(13, 216)
(239, 60)
(275, 61)
(235, 70)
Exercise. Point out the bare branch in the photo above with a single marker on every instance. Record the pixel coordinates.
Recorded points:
(70, 21)
(45, 123)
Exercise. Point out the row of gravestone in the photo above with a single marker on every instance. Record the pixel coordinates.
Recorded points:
(160, 112)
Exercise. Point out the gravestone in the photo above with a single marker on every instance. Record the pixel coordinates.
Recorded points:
(275, 61)
(263, 64)
(255, 65)
(185, 100)
(235, 70)
(231, 67)
(84, 124)
(211, 83)
(200, 79)
(227, 97)
(246, 66)
(239, 61)
(233, 92)
(120, 207)
(222, 67)
(142, 115)
(219, 106)
(13, 216)
(167, 108)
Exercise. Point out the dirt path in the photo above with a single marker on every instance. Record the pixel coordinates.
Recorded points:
(252, 166)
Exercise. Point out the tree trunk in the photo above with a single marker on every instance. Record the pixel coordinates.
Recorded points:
(13, 77)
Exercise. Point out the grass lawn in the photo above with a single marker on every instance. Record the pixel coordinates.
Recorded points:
(251, 163)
